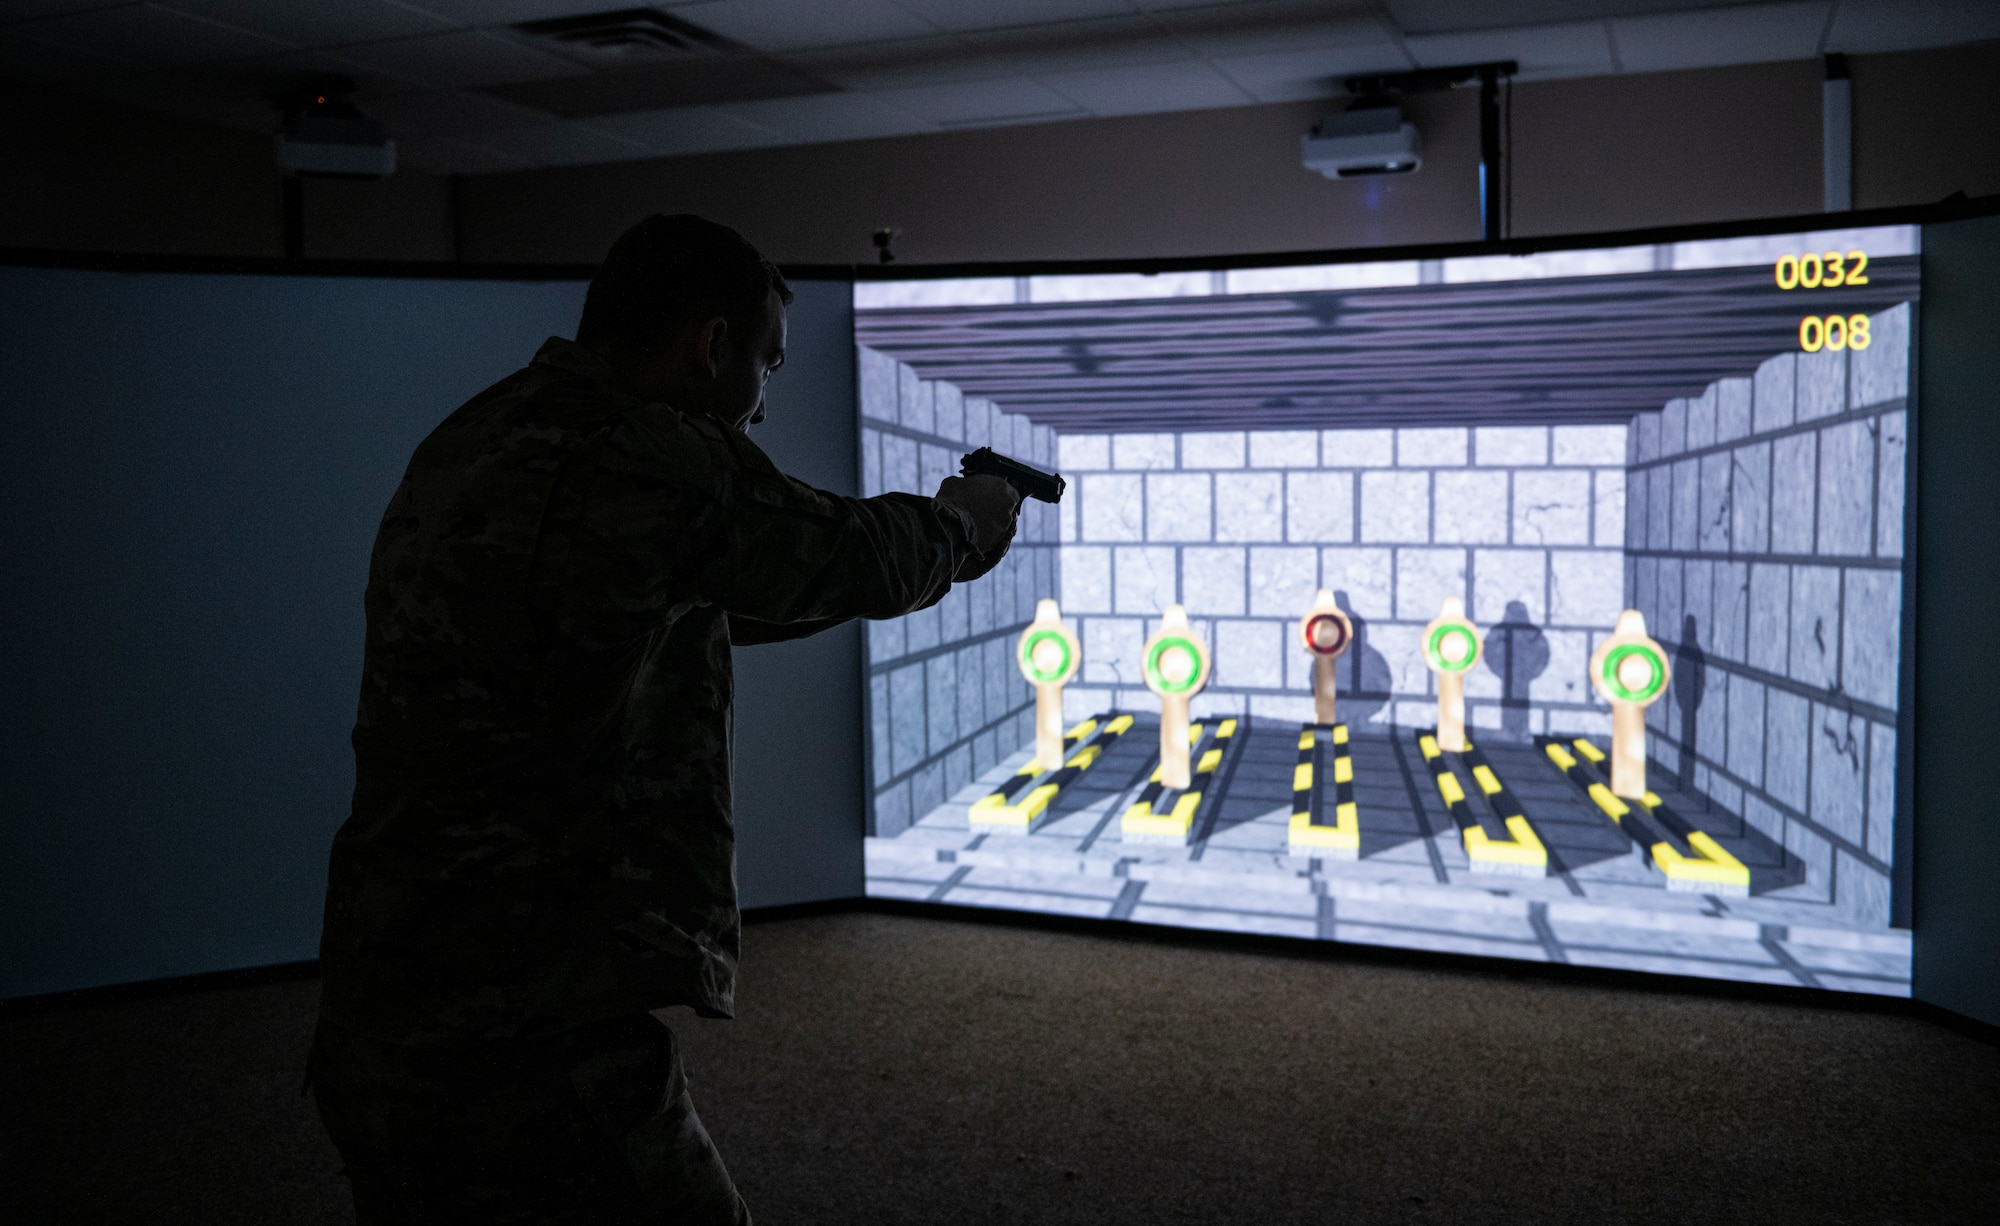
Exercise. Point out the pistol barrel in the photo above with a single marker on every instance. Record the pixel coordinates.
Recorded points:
(1028, 482)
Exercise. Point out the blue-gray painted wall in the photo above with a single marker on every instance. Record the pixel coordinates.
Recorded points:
(1956, 885)
(193, 472)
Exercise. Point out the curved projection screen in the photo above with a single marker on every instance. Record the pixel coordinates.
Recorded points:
(1551, 607)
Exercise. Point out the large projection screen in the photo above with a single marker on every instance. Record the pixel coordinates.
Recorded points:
(1408, 541)
(194, 470)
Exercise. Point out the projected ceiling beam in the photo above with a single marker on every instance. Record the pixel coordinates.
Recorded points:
(1574, 350)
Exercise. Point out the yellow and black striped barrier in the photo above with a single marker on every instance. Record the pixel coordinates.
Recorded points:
(1339, 839)
(1706, 867)
(1522, 855)
(1145, 822)
(1017, 805)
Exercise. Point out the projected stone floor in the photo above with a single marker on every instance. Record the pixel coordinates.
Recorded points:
(1601, 901)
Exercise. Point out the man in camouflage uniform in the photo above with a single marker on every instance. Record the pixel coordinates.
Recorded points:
(540, 850)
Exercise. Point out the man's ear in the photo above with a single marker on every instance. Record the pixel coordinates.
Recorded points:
(711, 341)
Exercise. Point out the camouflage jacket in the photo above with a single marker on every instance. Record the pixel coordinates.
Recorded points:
(541, 832)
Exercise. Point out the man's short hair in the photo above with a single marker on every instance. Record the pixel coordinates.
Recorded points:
(670, 272)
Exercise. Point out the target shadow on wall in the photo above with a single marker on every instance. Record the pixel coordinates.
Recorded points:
(1772, 867)
(1366, 691)
(1365, 679)
(1689, 690)
(1517, 652)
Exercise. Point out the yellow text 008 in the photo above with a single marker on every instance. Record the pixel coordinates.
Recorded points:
(1833, 332)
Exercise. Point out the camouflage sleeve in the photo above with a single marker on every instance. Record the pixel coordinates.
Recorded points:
(795, 554)
(697, 512)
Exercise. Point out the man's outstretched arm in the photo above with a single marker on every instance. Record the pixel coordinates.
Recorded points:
(715, 521)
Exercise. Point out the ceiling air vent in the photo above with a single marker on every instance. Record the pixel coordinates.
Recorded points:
(647, 60)
(626, 35)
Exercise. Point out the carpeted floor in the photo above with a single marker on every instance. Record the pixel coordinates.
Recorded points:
(897, 1069)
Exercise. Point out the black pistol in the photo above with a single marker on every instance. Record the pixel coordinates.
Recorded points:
(1027, 482)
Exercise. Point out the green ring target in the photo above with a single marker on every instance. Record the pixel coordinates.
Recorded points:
(1458, 662)
(1655, 681)
(1036, 674)
(1158, 680)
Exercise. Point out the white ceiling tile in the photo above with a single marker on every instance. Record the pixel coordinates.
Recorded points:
(1003, 14)
(679, 129)
(803, 25)
(1283, 12)
(687, 129)
(452, 114)
(1189, 85)
(325, 23)
(908, 65)
(149, 34)
(1294, 76)
(909, 61)
(1862, 26)
(486, 13)
(1152, 6)
(27, 10)
(827, 117)
(1103, 58)
(563, 144)
(200, 99)
(448, 157)
(464, 59)
(1574, 50)
(1454, 16)
(1004, 99)
(1096, 43)
(44, 63)
(295, 68)
(1749, 35)
(975, 57)
(1275, 32)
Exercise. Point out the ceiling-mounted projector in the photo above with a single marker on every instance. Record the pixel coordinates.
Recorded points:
(324, 135)
(1373, 140)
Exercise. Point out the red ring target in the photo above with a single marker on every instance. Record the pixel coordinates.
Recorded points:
(1340, 634)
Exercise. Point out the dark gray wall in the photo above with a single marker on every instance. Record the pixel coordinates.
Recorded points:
(799, 787)
(194, 470)
(1957, 440)
(84, 174)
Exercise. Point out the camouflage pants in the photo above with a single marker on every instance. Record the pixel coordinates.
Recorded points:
(592, 1127)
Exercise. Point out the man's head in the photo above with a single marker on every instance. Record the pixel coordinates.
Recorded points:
(690, 314)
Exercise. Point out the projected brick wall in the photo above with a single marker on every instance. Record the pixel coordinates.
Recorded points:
(1524, 523)
(1765, 547)
(946, 701)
